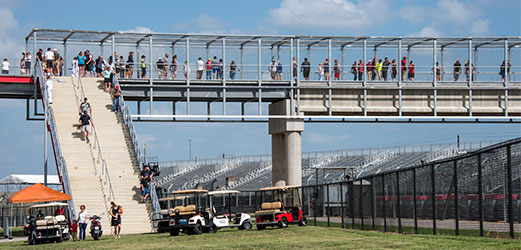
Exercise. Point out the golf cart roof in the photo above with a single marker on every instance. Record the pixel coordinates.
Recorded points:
(223, 192)
(171, 198)
(279, 188)
(190, 191)
(52, 204)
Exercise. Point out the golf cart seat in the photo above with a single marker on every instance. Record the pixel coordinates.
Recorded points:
(46, 224)
(184, 210)
(270, 207)
(166, 211)
(60, 218)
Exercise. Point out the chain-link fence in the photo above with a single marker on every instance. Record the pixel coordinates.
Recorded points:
(478, 193)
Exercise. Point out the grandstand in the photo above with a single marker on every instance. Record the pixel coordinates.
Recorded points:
(252, 173)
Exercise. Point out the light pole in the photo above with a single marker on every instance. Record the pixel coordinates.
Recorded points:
(190, 149)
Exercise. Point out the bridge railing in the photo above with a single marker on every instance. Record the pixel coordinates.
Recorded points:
(104, 174)
(136, 146)
(62, 172)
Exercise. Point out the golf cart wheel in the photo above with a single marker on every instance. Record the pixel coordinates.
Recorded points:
(303, 222)
(212, 229)
(261, 227)
(283, 222)
(174, 232)
(197, 229)
(246, 225)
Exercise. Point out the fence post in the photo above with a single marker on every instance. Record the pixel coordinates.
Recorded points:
(372, 204)
(480, 192)
(315, 196)
(433, 197)
(509, 191)
(384, 199)
(352, 203)
(398, 207)
(328, 205)
(342, 203)
(456, 195)
(360, 206)
(415, 206)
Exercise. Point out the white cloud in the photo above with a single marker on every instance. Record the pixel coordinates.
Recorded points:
(427, 31)
(449, 17)
(202, 24)
(326, 15)
(139, 29)
(10, 43)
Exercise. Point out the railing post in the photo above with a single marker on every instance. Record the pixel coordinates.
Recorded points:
(373, 206)
(188, 75)
(259, 75)
(328, 206)
(456, 196)
(398, 202)
(433, 197)
(360, 205)
(480, 192)
(415, 206)
(383, 203)
(342, 203)
(509, 191)
(352, 203)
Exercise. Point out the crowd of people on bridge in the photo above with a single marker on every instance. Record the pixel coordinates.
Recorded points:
(85, 64)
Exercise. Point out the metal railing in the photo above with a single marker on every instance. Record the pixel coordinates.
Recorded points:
(51, 126)
(138, 151)
(99, 159)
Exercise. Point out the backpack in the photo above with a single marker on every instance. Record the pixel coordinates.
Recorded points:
(120, 209)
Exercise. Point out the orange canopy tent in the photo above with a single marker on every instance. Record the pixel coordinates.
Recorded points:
(38, 193)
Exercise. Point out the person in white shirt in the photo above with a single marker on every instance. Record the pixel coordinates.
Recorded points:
(83, 217)
(49, 58)
(75, 67)
(5, 67)
(28, 60)
(49, 84)
(200, 68)
(186, 69)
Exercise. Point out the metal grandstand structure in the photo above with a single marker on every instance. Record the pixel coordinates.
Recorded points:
(252, 87)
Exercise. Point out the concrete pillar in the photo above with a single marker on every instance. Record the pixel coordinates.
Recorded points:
(285, 146)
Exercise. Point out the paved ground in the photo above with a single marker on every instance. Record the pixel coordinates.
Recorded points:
(2, 240)
(441, 224)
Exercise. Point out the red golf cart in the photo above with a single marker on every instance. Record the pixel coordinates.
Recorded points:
(283, 210)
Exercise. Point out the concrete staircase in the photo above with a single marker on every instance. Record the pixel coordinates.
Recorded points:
(84, 173)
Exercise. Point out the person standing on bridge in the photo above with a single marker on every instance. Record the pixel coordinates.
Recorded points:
(215, 68)
(28, 60)
(49, 59)
(143, 65)
(129, 67)
(173, 67)
(379, 67)
(411, 72)
(167, 66)
(360, 70)
(294, 65)
(272, 68)
(5, 67)
(57, 62)
(116, 93)
(336, 70)
(75, 67)
(81, 63)
(186, 69)
(200, 69)
(209, 69)
(160, 66)
(394, 70)
(279, 70)
(305, 68)
(404, 66)
(354, 70)
(325, 68)
(457, 70)
(385, 68)
(89, 64)
(22, 64)
(233, 68)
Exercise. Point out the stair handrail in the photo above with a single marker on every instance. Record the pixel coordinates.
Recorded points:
(63, 174)
(104, 175)
(138, 151)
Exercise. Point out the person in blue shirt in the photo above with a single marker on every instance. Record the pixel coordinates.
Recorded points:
(106, 77)
(81, 64)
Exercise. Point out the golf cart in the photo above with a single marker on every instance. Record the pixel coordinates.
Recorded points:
(231, 219)
(48, 222)
(162, 221)
(279, 212)
(191, 217)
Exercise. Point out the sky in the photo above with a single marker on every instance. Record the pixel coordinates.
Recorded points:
(21, 141)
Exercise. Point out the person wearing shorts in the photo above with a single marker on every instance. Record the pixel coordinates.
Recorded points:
(144, 189)
(85, 122)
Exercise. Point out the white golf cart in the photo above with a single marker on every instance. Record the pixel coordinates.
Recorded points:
(230, 219)
(48, 222)
(190, 218)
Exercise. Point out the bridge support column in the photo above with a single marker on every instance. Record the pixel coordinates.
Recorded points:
(285, 146)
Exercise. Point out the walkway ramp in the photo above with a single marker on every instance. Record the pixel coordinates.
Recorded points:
(83, 167)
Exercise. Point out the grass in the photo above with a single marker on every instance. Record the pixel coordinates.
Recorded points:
(410, 230)
(17, 232)
(293, 237)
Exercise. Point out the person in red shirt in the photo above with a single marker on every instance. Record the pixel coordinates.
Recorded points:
(369, 70)
(411, 72)
(360, 70)
(404, 67)
(209, 69)
(74, 230)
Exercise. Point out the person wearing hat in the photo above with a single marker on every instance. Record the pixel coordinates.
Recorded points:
(116, 93)
(115, 213)
(209, 69)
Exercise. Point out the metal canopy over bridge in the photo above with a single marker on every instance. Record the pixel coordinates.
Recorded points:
(424, 100)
